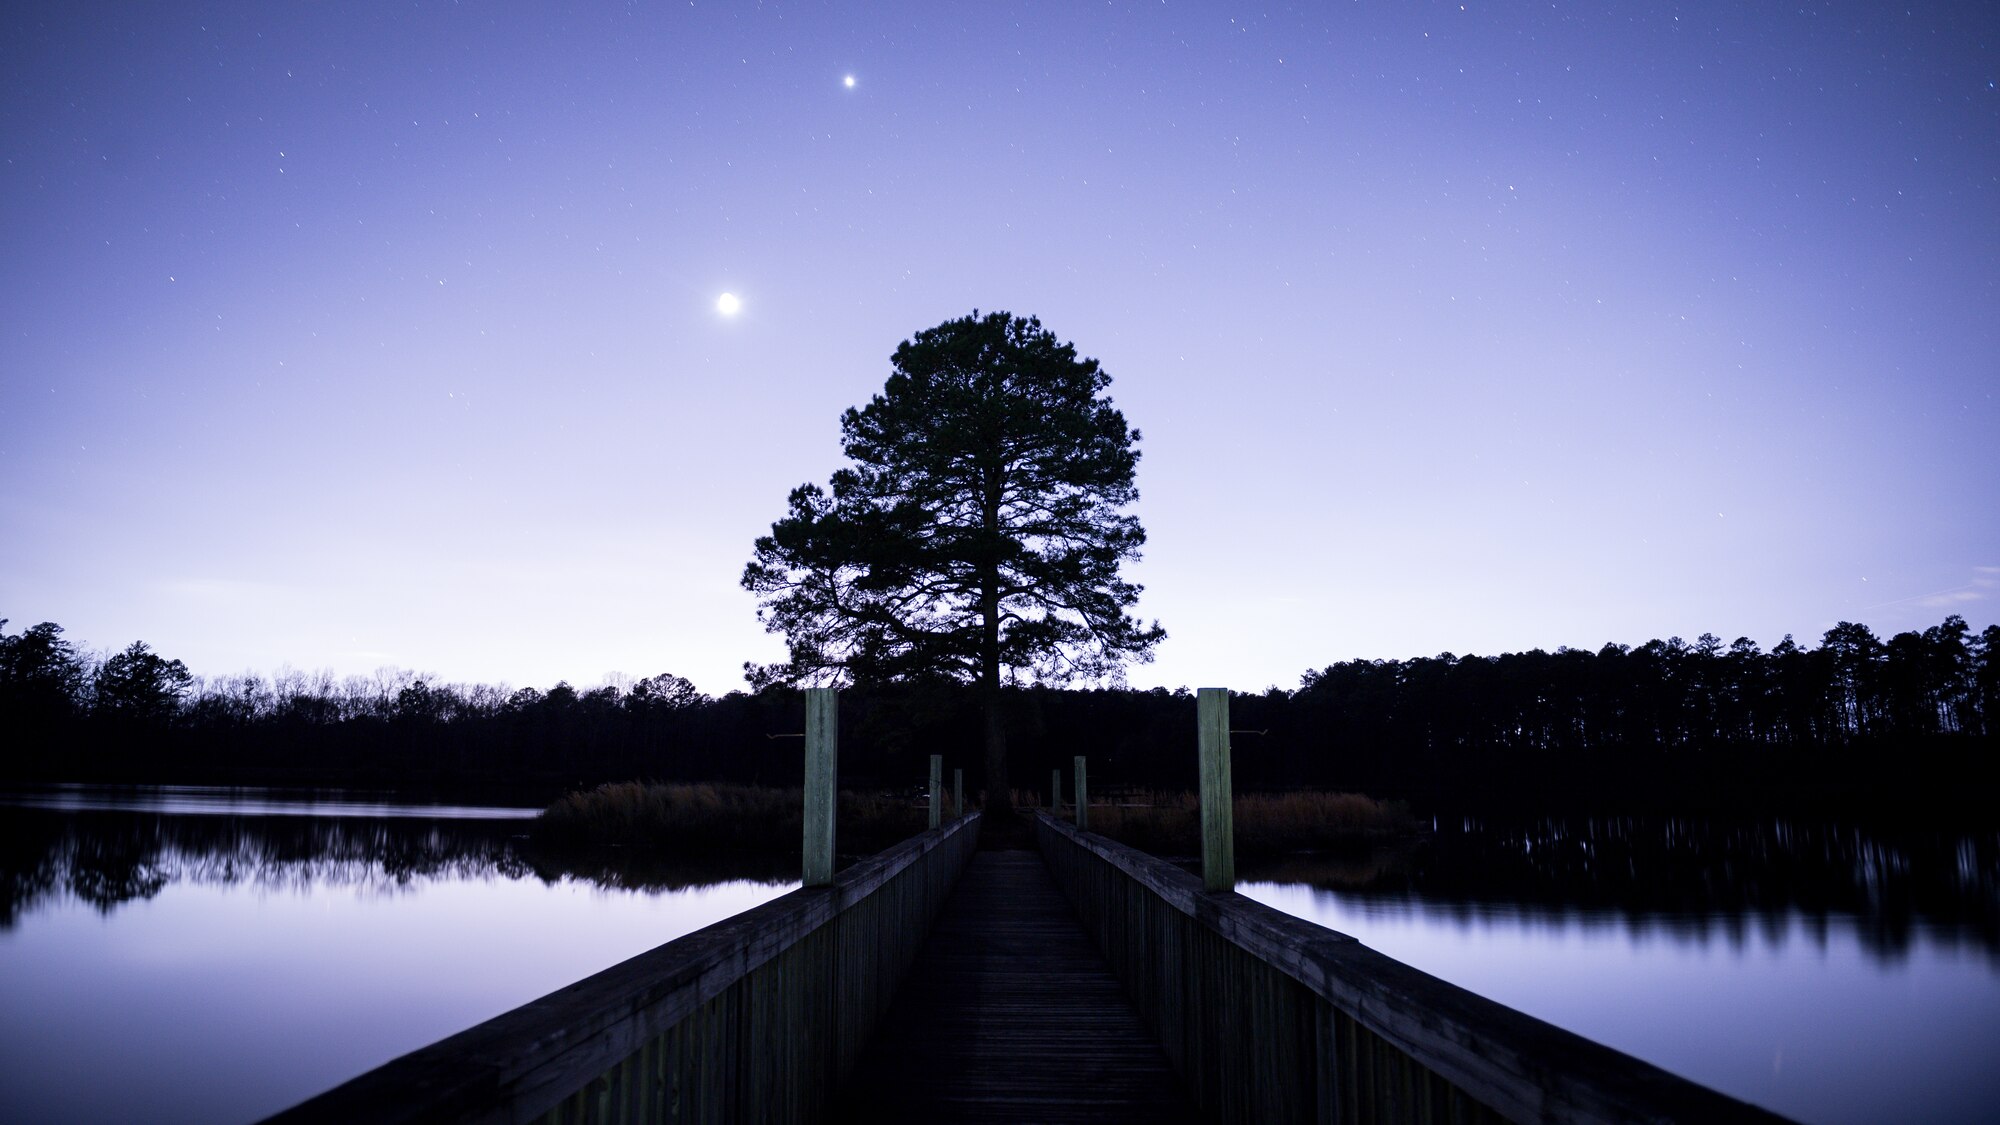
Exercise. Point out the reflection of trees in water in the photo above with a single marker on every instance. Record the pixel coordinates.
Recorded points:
(655, 873)
(106, 873)
(1689, 880)
(109, 858)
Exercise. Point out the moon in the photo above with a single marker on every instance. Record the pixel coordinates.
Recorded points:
(728, 304)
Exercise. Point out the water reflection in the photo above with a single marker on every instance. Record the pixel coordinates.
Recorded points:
(218, 956)
(1686, 880)
(106, 856)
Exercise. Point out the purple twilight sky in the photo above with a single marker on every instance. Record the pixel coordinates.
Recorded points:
(344, 335)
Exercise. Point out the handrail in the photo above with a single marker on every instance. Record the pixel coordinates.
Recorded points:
(1270, 1017)
(754, 1018)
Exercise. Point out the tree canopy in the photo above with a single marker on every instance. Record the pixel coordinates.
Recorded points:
(977, 531)
(42, 676)
(139, 684)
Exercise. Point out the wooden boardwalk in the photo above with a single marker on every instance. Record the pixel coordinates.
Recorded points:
(1010, 1014)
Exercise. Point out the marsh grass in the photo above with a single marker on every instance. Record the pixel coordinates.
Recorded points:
(1266, 823)
(634, 869)
(656, 818)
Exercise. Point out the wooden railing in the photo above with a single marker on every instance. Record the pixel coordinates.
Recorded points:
(1272, 1019)
(755, 1018)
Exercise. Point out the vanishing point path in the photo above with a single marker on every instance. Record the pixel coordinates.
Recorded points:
(1011, 1015)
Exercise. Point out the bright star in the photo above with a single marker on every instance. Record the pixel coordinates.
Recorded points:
(728, 304)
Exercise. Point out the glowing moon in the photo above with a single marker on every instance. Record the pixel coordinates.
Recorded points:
(728, 304)
(848, 82)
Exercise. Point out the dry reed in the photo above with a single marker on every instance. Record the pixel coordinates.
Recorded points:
(665, 818)
(1266, 823)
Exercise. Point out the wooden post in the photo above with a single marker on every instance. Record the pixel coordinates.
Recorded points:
(1218, 802)
(937, 786)
(822, 739)
(957, 792)
(1082, 796)
(1055, 790)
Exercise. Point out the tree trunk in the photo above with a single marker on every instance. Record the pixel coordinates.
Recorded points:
(999, 795)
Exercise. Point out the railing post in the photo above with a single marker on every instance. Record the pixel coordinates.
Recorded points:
(1218, 802)
(937, 786)
(1082, 795)
(1055, 790)
(822, 738)
(957, 792)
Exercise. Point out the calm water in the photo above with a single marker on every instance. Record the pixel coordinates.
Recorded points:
(206, 955)
(203, 956)
(1829, 975)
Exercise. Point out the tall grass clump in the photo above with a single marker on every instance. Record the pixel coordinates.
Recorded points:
(1266, 823)
(659, 818)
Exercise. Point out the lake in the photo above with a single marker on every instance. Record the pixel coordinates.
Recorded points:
(190, 955)
(213, 955)
(1827, 974)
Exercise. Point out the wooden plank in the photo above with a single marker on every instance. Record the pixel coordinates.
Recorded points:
(1218, 799)
(937, 787)
(822, 797)
(1010, 1014)
(1521, 1067)
(1082, 795)
(534, 1059)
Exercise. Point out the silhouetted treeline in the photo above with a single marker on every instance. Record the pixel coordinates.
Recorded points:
(1855, 721)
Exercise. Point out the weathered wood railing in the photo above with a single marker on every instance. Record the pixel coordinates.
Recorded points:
(1270, 1018)
(755, 1018)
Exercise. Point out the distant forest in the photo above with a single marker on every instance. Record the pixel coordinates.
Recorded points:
(1903, 727)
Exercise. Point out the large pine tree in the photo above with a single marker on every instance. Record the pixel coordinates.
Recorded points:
(977, 531)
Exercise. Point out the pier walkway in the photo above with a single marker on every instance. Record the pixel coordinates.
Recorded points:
(1034, 973)
(1010, 1014)
(1081, 981)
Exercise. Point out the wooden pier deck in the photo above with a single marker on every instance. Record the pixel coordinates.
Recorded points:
(957, 977)
(1010, 1014)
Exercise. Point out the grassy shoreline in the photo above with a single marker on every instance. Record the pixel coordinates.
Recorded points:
(661, 819)
(1267, 824)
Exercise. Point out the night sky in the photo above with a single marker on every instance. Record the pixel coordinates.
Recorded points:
(346, 335)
